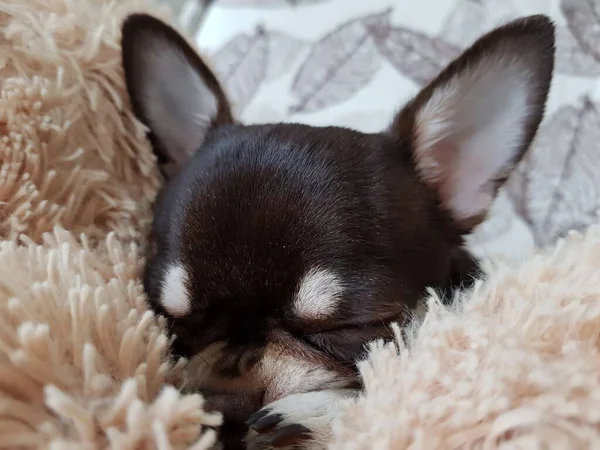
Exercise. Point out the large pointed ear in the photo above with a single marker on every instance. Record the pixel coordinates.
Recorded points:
(172, 91)
(471, 125)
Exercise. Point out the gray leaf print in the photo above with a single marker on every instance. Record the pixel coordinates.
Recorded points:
(499, 219)
(241, 66)
(264, 3)
(416, 55)
(190, 13)
(469, 19)
(557, 190)
(338, 65)
(570, 57)
(583, 19)
(283, 52)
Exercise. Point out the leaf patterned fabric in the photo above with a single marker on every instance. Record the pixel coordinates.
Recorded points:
(355, 62)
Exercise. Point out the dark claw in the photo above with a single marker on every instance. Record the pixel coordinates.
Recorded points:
(266, 423)
(257, 416)
(289, 435)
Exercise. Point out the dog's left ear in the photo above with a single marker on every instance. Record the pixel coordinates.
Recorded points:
(172, 90)
(471, 125)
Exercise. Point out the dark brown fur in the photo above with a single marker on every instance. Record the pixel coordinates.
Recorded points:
(257, 206)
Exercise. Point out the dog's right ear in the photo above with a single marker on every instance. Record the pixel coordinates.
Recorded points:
(472, 124)
(172, 91)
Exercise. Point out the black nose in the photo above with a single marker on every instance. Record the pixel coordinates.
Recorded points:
(236, 407)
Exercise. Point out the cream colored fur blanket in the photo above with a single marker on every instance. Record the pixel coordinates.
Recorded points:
(515, 365)
(84, 364)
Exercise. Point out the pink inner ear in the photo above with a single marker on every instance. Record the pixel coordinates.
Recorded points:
(437, 168)
(176, 101)
(464, 184)
(435, 164)
(469, 131)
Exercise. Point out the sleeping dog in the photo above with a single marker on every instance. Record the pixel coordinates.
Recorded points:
(278, 251)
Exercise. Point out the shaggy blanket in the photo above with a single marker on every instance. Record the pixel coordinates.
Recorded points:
(84, 364)
(514, 365)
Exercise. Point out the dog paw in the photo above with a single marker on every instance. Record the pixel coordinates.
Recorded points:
(299, 421)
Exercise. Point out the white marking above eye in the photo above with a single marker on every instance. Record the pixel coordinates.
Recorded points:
(318, 295)
(175, 297)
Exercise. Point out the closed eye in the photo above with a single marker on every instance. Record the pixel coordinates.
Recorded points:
(306, 328)
(347, 345)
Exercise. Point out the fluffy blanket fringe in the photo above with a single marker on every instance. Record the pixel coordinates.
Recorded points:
(514, 364)
(83, 363)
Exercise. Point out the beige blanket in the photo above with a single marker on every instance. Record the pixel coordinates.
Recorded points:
(84, 364)
(516, 365)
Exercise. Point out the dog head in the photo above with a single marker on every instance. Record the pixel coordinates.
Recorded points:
(278, 251)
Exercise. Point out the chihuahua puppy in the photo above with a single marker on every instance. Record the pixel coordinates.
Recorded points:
(280, 250)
